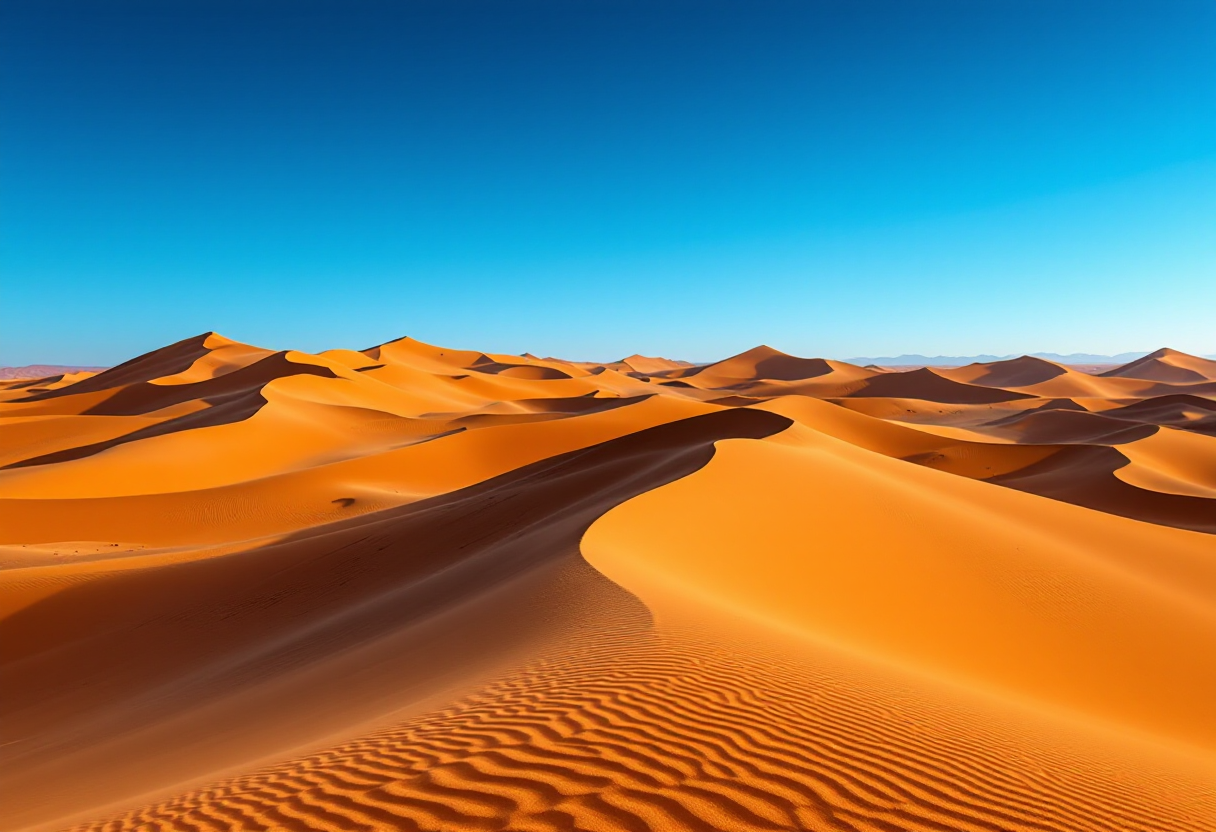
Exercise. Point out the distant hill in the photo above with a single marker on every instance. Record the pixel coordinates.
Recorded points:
(962, 360)
(44, 370)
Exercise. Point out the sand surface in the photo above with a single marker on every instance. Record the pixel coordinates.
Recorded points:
(418, 588)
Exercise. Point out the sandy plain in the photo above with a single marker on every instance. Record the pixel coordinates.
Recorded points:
(417, 588)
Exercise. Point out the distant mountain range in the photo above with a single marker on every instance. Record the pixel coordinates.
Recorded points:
(961, 360)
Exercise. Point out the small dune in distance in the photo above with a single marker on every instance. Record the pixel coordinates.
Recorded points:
(421, 588)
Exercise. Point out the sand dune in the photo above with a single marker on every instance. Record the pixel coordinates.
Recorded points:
(42, 372)
(1193, 413)
(1168, 365)
(929, 385)
(649, 365)
(1062, 425)
(412, 587)
(1016, 372)
(759, 364)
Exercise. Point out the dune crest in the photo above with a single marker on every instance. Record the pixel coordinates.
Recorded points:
(414, 587)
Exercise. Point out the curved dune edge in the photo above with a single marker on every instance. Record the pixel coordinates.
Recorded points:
(1042, 601)
(1172, 462)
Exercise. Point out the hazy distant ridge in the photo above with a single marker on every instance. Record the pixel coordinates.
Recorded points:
(44, 370)
(929, 360)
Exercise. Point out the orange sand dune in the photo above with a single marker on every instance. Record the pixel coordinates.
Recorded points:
(1168, 365)
(759, 364)
(1065, 425)
(929, 385)
(1016, 372)
(1045, 378)
(640, 365)
(419, 588)
(20, 387)
(1193, 413)
(648, 365)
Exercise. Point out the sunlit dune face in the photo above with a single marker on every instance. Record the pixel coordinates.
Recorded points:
(413, 587)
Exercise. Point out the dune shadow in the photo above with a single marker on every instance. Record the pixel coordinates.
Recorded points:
(166, 361)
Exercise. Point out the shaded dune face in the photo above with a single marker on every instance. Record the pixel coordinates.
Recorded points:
(157, 364)
(422, 588)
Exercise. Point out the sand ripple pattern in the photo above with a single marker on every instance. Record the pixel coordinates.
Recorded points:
(642, 731)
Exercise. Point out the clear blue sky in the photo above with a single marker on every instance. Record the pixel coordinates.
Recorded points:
(590, 179)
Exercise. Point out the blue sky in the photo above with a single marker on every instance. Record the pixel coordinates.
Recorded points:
(589, 179)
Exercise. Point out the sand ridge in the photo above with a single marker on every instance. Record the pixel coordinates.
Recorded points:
(413, 587)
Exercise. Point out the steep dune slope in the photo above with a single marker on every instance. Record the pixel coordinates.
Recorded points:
(1064, 607)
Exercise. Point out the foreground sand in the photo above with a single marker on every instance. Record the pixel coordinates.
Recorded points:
(420, 588)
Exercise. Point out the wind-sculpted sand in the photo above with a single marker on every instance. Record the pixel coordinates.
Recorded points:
(428, 589)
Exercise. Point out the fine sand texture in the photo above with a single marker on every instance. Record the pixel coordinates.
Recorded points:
(420, 588)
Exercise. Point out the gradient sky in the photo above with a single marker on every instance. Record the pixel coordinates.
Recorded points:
(589, 179)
